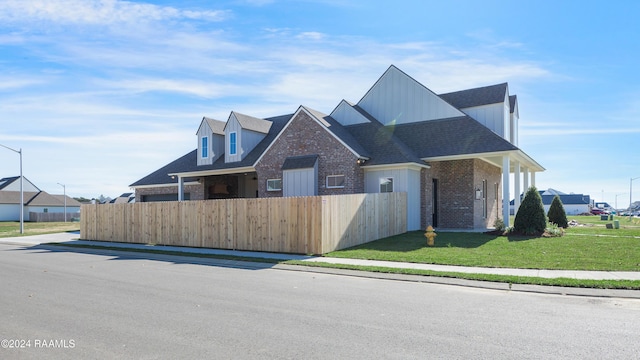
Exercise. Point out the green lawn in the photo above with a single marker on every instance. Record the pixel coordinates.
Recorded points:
(12, 228)
(588, 247)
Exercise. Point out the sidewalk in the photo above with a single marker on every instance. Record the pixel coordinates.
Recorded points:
(72, 239)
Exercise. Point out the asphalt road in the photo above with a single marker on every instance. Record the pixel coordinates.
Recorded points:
(77, 304)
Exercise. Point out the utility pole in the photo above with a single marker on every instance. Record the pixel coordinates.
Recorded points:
(21, 189)
(64, 189)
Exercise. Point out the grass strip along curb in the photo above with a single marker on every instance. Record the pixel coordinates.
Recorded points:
(510, 279)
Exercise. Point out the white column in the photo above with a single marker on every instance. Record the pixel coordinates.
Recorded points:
(516, 190)
(180, 188)
(526, 179)
(505, 190)
(533, 178)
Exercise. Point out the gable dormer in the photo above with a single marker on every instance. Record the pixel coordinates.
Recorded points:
(210, 140)
(241, 134)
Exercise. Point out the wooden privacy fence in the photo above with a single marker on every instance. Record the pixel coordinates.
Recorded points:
(301, 225)
(52, 216)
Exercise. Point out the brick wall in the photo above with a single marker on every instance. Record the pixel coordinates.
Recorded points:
(457, 182)
(304, 136)
(493, 176)
(196, 192)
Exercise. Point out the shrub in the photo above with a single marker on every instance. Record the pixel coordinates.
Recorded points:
(499, 225)
(530, 218)
(553, 231)
(556, 213)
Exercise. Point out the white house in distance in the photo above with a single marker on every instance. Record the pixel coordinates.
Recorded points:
(35, 200)
(574, 204)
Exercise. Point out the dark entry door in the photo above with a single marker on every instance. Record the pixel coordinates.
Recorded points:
(434, 216)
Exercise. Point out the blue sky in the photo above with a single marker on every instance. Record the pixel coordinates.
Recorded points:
(100, 93)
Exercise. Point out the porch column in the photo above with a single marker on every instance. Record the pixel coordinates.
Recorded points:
(516, 184)
(533, 178)
(526, 178)
(180, 188)
(505, 190)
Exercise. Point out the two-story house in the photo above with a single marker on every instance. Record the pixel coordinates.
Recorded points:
(454, 154)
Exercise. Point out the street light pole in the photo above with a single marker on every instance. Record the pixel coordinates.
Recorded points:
(631, 191)
(21, 189)
(64, 189)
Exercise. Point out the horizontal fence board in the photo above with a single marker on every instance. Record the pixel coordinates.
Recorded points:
(301, 225)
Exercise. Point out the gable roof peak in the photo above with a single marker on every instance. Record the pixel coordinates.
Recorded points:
(216, 126)
(251, 123)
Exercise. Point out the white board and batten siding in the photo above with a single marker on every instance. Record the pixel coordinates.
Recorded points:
(345, 114)
(397, 98)
(215, 145)
(404, 180)
(496, 117)
(246, 140)
(300, 182)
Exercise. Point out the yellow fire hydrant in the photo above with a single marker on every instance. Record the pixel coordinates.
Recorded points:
(430, 235)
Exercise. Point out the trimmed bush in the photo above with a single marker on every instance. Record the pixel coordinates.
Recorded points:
(530, 219)
(556, 213)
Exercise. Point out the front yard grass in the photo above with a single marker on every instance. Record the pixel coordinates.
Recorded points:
(589, 247)
(12, 228)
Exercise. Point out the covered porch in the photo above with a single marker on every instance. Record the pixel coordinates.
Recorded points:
(220, 184)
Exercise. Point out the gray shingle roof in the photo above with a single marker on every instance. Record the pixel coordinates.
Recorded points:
(476, 97)
(217, 126)
(253, 123)
(339, 131)
(454, 136)
(300, 162)
(189, 163)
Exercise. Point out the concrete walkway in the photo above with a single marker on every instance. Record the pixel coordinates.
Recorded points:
(72, 238)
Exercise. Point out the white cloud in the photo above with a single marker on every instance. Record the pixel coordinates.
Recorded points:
(97, 12)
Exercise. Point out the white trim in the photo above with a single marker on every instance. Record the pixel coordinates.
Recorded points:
(280, 179)
(514, 155)
(411, 166)
(215, 172)
(236, 148)
(386, 177)
(202, 139)
(335, 176)
(302, 108)
(162, 185)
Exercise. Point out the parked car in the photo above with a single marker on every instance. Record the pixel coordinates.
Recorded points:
(597, 211)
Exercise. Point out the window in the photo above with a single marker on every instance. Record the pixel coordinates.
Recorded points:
(386, 184)
(335, 181)
(205, 147)
(274, 184)
(233, 143)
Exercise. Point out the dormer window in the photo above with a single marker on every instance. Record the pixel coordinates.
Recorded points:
(233, 143)
(205, 147)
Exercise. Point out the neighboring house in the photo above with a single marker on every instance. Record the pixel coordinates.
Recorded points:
(452, 153)
(574, 204)
(124, 199)
(34, 199)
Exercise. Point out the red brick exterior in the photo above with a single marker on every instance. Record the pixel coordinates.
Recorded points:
(457, 182)
(304, 136)
(196, 192)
